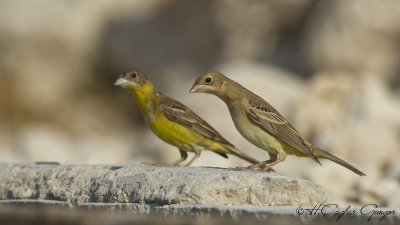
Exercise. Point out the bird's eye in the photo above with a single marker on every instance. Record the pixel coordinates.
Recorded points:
(133, 75)
(208, 80)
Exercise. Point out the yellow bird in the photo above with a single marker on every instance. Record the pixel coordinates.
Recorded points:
(261, 124)
(175, 123)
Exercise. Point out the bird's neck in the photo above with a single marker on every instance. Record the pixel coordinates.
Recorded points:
(232, 94)
(146, 98)
(233, 98)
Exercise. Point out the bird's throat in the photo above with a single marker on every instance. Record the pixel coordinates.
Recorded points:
(146, 97)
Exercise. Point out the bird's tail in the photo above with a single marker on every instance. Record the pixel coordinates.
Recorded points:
(323, 154)
(240, 154)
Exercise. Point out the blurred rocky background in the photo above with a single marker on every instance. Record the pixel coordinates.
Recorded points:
(331, 67)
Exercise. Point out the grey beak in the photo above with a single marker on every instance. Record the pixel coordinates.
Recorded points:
(121, 81)
(195, 88)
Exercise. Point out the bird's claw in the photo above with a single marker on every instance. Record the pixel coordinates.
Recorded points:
(252, 168)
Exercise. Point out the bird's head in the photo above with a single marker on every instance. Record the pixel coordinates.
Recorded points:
(212, 83)
(133, 79)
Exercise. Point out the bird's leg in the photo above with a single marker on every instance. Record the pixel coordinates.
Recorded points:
(282, 157)
(184, 156)
(196, 155)
(272, 158)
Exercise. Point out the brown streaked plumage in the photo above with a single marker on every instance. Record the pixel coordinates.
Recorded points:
(181, 114)
(264, 115)
(262, 124)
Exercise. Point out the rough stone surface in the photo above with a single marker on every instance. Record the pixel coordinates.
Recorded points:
(78, 185)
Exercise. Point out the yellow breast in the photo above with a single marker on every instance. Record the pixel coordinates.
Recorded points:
(167, 130)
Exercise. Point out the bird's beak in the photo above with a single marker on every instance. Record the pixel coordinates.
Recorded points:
(121, 81)
(195, 89)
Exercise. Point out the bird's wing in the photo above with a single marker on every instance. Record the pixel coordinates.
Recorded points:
(181, 114)
(269, 119)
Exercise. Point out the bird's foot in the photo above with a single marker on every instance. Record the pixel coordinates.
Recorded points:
(249, 169)
(267, 168)
(240, 168)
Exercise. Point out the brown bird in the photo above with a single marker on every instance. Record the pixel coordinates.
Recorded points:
(261, 124)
